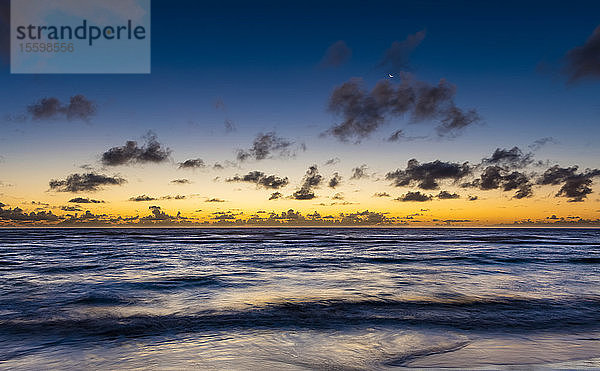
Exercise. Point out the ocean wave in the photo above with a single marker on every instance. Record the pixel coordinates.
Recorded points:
(495, 314)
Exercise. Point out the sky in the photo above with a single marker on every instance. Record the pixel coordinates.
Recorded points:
(382, 113)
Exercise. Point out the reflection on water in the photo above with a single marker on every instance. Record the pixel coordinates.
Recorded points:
(299, 298)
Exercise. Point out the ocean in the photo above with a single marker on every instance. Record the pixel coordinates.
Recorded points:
(299, 298)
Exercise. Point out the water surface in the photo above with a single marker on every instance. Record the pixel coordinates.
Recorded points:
(296, 299)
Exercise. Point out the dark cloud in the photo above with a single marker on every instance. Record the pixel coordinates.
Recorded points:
(275, 196)
(456, 119)
(537, 144)
(264, 146)
(79, 108)
(396, 136)
(364, 218)
(38, 203)
(81, 200)
(452, 221)
(584, 61)
(332, 161)
(180, 181)
(473, 198)
(304, 194)
(311, 179)
(359, 172)
(363, 111)
(215, 200)
(381, 194)
(224, 216)
(151, 152)
(428, 175)
(261, 179)
(229, 126)
(159, 215)
(176, 197)
(84, 182)
(195, 163)
(414, 196)
(495, 177)
(295, 218)
(220, 104)
(335, 180)
(336, 55)
(509, 158)
(338, 196)
(554, 221)
(18, 215)
(396, 58)
(575, 186)
(142, 198)
(70, 208)
(445, 195)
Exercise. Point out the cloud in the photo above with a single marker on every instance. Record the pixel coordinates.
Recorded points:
(229, 126)
(158, 214)
(79, 108)
(145, 198)
(332, 161)
(396, 136)
(261, 179)
(195, 163)
(81, 200)
(359, 172)
(452, 221)
(510, 158)
(428, 175)
(495, 177)
(336, 55)
(220, 215)
(414, 196)
(537, 144)
(445, 195)
(456, 119)
(85, 182)
(264, 146)
(554, 221)
(215, 200)
(70, 208)
(363, 111)
(582, 62)
(575, 186)
(396, 58)
(275, 196)
(180, 181)
(176, 197)
(220, 104)
(142, 198)
(473, 198)
(311, 179)
(335, 180)
(18, 215)
(381, 194)
(151, 152)
(304, 194)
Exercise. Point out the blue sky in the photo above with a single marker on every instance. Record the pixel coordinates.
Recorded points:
(262, 61)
